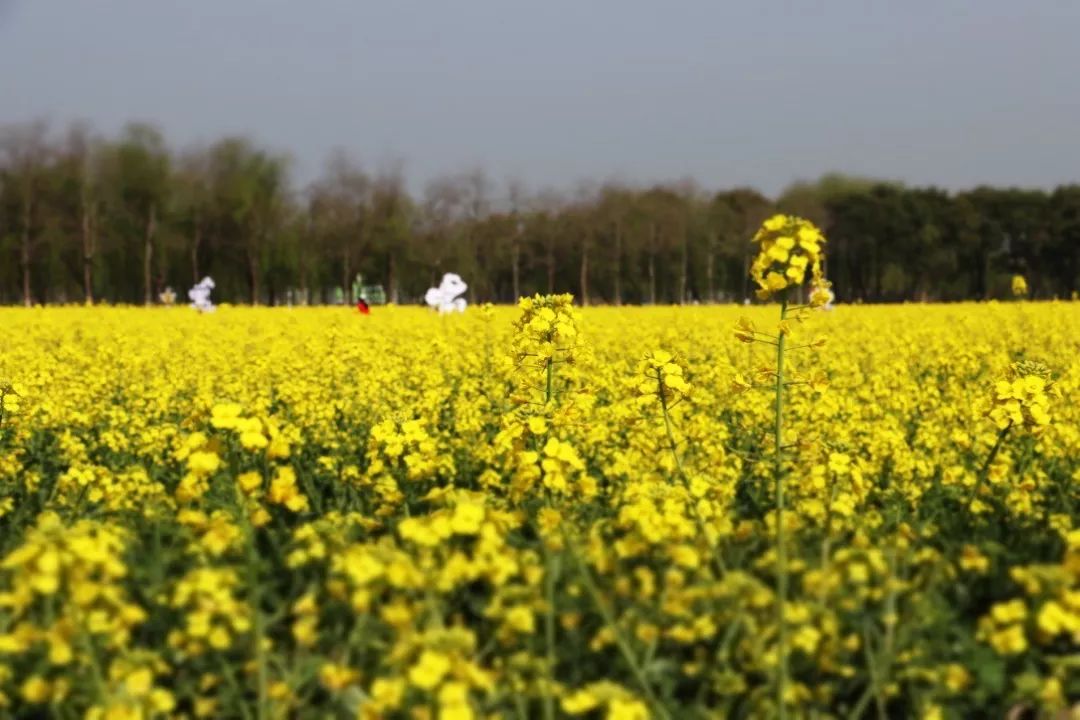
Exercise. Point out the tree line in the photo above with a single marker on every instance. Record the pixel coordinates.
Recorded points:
(87, 218)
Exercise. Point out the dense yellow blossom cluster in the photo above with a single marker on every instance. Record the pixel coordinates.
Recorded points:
(540, 511)
(1022, 397)
(788, 248)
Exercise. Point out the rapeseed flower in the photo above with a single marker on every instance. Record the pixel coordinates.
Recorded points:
(789, 247)
(393, 518)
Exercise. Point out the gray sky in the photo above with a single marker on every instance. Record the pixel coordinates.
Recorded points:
(553, 92)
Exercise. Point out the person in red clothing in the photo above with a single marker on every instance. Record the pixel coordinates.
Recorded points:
(362, 307)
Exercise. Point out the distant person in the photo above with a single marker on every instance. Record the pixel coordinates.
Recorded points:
(362, 307)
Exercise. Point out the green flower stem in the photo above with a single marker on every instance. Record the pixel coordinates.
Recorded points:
(985, 469)
(781, 549)
(550, 370)
(551, 571)
(877, 682)
(826, 543)
(101, 688)
(672, 446)
(255, 601)
(997, 446)
(620, 641)
(227, 673)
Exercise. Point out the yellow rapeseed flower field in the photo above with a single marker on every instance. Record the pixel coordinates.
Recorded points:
(540, 511)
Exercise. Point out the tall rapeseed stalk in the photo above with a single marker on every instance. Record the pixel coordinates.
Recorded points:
(789, 248)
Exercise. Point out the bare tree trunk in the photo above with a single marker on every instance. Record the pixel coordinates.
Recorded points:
(345, 262)
(476, 252)
(88, 255)
(684, 269)
(479, 269)
(618, 263)
(984, 275)
(515, 259)
(24, 253)
(652, 279)
(148, 255)
(196, 241)
(710, 268)
(710, 260)
(876, 276)
(652, 265)
(253, 275)
(303, 278)
(24, 258)
(88, 283)
(392, 284)
(585, 271)
(746, 275)
(550, 269)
